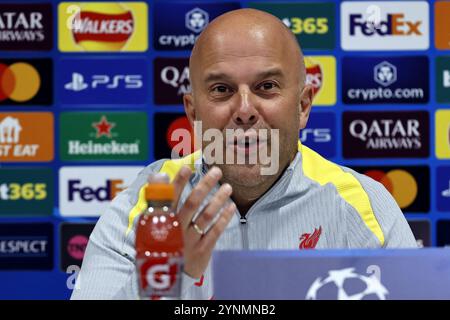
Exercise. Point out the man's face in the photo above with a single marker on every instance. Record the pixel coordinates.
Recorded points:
(248, 83)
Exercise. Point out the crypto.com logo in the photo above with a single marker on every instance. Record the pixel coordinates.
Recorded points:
(385, 73)
(250, 146)
(196, 20)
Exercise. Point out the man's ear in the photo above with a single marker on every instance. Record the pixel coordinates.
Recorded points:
(188, 101)
(306, 99)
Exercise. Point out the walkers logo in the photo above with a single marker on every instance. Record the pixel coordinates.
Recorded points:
(26, 246)
(441, 25)
(422, 232)
(171, 80)
(26, 26)
(26, 192)
(443, 188)
(385, 25)
(111, 136)
(312, 23)
(19, 141)
(443, 79)
(167, 137)
(88, 191)
(410, 186)
(102, 26)
(321, 74)
(177, 25)
(320, 133)
(442, 129)
(402, 134)
(369, 80)
(26, 81)
(74, 238)
(103, 81)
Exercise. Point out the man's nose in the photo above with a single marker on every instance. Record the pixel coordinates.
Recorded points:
(246, 113)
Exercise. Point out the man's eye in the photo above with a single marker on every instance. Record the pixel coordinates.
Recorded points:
(266, 86)
(220, 89)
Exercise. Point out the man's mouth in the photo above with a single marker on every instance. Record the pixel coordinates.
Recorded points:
(248, 144)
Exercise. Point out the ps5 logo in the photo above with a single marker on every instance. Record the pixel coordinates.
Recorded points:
(318, 135)
(127, 81)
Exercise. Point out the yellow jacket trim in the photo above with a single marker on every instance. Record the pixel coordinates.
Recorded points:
(348, 187)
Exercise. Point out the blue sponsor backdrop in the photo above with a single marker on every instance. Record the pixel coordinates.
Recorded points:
(385, 80)
(26, 246)
(102, 80)
(170, 19)
(320, 134)
(177, 26)
(443, 188)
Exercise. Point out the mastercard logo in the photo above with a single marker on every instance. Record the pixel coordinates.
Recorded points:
(174, 137)
(19, 81)
(400, 183)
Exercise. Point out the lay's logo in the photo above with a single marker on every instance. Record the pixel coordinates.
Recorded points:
(321, 75)
(103, 26)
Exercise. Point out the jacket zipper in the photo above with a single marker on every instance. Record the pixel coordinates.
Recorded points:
(244, 232)
(244, 220)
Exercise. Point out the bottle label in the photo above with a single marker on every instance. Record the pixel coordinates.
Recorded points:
(160, 276)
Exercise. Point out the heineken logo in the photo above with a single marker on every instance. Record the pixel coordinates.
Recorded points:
(103, 127)
(104, 136)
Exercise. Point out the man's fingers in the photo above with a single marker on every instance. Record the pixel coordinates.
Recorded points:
(179, 183)
(210, 238)
(197, 195)
(210, 212)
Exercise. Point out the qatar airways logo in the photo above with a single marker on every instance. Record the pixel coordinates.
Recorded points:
(26, 26)
(378, 132)
(386, 134)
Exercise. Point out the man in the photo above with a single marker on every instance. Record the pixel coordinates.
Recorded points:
(247, 72)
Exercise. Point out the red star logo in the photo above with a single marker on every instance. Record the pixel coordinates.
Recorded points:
(103, 127)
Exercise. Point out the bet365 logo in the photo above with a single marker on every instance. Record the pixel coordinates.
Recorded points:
(307, 26)
(313, 24)
(26, 191)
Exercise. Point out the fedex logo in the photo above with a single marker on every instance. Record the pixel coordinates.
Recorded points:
(396, 24)
(103, 193)
(87, 191)
(385, 25)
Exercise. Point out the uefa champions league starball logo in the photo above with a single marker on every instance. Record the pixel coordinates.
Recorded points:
(346, 284)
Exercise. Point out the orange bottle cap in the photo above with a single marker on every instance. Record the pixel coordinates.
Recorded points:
(159, 192)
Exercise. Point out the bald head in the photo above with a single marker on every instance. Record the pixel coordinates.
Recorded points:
(242, 32)
(247, 72)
